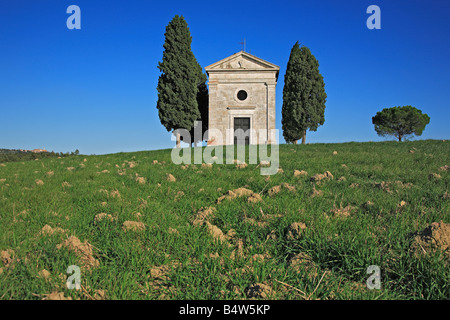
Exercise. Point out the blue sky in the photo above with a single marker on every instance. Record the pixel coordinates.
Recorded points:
(94, 89)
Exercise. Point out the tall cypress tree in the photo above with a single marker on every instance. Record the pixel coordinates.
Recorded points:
(202, 101)
(304, 95)
(178, 84)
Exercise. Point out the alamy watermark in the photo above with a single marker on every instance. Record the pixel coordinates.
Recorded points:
(269, 163)
(74, 281)
(374, 281)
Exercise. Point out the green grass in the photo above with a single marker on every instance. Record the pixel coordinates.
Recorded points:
(340, 248)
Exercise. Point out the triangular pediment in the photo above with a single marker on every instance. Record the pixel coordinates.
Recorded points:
(242, 61)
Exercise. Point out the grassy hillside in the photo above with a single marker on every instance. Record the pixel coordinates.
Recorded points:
(137, 235)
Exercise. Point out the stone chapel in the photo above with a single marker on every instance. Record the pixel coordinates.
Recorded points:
(242, 96)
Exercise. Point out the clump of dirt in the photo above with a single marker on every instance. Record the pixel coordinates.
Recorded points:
(316, 193)
(48, 230)
(100, 294)
(342, 212)
(173, 231)
(140, 180)
(322, 176)
(171, 178)
(434, 176)
(207, 165)
(264, 163)
(155, 162)
(239, 251)
(354, 185)
(56, 296)
(301, 173)
(342, 179)
(6, 257)
(237, 193)
(178, 195)
(260, 290)
(65, 184)
(39, 182)
(70, 168)
(294, 230)
(280, 170)
(255, 223)
(241, 165)
(216, 233)
(44, 274)
(384, 186)
(435, 236)
(335, 153)
(102, 216)
(160, 280)
(133, 226)
(83, 250)
(288, 186)
(132, 164)
(444, 168)
(302, 261)
(274, 190)
(255, 197)
(50, 173)
(203, 214)
(114, 194)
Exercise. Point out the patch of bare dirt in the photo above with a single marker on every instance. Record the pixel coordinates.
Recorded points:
(207, 165)
(274, 190)
(83, 250)
(65, 184)
(435, 236)
(216, 233)
(203, 214)
(300, 173)
(45, 274)
(102, 216)
(322, 176)
(260, 291)
(171, 178)
(255, 197)
(133, 226)
(39, 182)
(6, 257)
(114, 194)
(240, 192)
(316, 193)
(140, 180)
(160, 280)
(55, 296)
(294, 230)
(241, 165)
(342, 212)
(48, 230)
(444, 168)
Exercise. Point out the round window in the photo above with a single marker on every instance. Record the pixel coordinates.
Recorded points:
(242, 95)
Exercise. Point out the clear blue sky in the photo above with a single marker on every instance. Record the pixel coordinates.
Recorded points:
(94, 89)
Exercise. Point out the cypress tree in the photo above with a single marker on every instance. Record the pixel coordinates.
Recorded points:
(304, 95)
(202, 101)
(178, 84)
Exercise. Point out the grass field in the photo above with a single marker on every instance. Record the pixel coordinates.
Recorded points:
(137, 235)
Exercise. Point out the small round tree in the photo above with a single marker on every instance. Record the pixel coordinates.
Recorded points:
(400, 122)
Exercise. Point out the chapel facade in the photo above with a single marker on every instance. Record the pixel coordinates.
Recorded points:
(242, 96)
